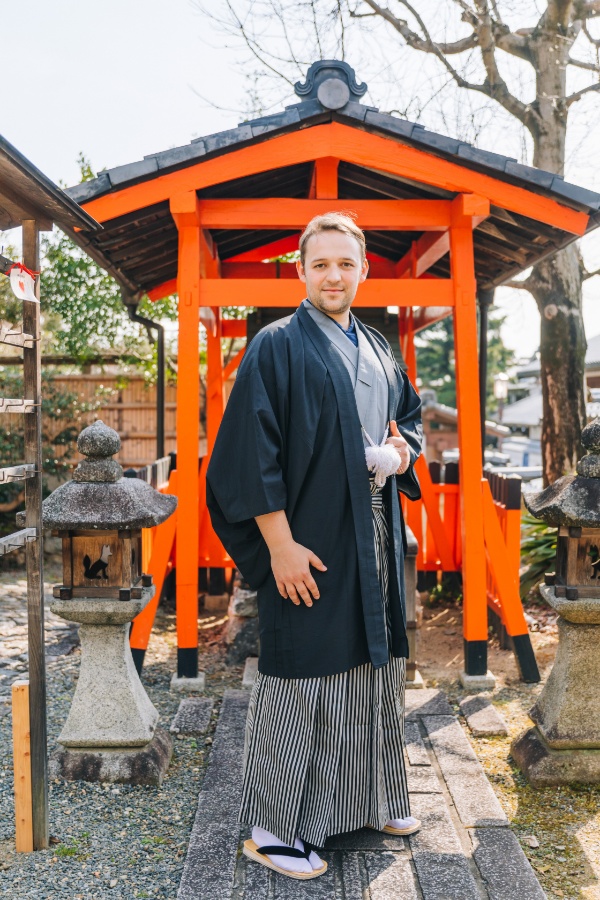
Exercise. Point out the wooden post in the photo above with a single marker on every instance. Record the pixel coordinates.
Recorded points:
(469, 437)
(34, 557)
(22, 767)
(184, 208)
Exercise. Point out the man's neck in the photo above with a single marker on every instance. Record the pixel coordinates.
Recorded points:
(342, 319)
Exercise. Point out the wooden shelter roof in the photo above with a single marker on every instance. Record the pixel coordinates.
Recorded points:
(26, 193)
(140, 247)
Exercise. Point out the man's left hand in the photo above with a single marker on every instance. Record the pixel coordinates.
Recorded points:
(401, 446)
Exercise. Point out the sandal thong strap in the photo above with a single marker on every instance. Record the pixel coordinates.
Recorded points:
(284, 851)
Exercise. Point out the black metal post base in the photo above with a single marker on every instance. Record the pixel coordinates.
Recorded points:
(475, 657)
(187, 662)
(138, 659)
(526, 661)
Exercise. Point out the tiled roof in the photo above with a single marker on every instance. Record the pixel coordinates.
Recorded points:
(308, 112)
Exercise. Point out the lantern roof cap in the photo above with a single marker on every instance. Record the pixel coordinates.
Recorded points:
(99, 497)
(575, 499)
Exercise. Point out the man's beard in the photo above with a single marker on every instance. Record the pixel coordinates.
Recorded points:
(343, 304)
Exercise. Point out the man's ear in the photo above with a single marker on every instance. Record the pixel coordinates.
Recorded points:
(364, 271)
(300, 271)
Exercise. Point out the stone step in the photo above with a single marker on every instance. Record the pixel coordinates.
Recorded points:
(193, 716)
(482, 717)
(464, 850)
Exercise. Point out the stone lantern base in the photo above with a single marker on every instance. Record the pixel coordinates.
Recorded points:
(544, 766)
(563, 747)
(138, 765)
(110, 733)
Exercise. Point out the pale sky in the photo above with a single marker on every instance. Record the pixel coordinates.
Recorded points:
(119, 80)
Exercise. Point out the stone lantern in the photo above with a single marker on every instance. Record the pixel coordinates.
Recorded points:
(564, 744)
(111, 731)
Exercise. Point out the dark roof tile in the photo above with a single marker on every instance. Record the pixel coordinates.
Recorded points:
(177, 155)
(529, 173)
(132, 171)
(436, 141)
(223, 139)
(483, 157)
(575, 193)
(87, 190)
(390, 123)
(264, 124)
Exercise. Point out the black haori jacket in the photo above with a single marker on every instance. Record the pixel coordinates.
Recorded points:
(291, 439)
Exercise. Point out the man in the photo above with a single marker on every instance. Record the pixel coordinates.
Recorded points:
(320, 538)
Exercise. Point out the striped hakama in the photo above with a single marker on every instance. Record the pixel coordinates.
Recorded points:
(325, 755)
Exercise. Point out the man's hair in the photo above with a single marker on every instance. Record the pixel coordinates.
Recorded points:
(333, 221)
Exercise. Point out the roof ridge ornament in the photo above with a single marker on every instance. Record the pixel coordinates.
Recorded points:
(332, 82)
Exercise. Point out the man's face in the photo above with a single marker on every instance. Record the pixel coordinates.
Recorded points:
(332, 271)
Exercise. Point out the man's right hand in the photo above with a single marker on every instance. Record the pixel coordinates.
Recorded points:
(290, 561)
(291, 564)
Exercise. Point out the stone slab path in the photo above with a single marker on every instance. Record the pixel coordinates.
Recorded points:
(464, 851)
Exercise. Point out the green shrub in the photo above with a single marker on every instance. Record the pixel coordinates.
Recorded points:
(538, 552)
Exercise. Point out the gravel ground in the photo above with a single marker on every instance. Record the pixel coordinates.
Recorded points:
(563, 822)
(112, 841)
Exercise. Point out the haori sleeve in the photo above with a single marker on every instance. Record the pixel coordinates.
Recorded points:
(245, 475)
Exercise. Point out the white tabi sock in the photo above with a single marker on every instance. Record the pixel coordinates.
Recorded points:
(264, 838)
(402, 823)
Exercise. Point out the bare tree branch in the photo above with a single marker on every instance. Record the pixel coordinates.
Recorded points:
(581, 64)
(586, 274)
(594, 41)
(519, 285)
(494, 86)
(573, 98)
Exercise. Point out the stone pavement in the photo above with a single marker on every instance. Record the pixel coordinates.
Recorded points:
(464, 851)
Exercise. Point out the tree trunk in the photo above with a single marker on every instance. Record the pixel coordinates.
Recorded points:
(556, 286)
(556, 283)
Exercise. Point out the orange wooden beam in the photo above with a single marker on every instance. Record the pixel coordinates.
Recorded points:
(469, 433)
(431, 247)
(233, 364)
(268, 251)
(231, 328)
(184, 209)
(166, 289)
(285, 212)
(503, 568)
(377, 269)
(428, 316)
(162, 538)
(325, 178)
(431, 502)
(348, 144)
(285, 292)
(423, 254)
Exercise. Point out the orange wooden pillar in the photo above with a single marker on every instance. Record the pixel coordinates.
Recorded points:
(211, 552)
(185, 211)
(475, 628)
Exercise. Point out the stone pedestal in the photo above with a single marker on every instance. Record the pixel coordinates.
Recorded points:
(110, 732)
(241, 635)
(564, 745)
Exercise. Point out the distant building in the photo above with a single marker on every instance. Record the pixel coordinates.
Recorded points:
(440, 427)
(523, 416)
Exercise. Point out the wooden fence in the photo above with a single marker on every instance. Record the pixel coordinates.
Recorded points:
(435, 521)
(127, 404)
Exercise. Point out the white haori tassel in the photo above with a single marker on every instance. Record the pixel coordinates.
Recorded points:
(382, 459)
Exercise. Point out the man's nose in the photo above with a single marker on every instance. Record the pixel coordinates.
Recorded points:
(334, 275)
